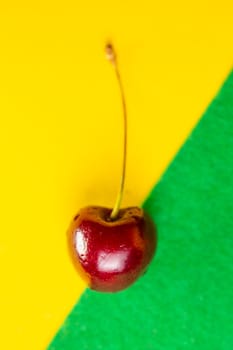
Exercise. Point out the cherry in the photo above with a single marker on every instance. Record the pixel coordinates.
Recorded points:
(111, 248)
(111, 255)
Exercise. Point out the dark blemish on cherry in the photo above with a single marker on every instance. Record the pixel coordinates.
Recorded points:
(76, 217)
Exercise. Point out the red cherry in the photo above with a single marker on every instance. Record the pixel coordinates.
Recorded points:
(111, 255)
(111, 248)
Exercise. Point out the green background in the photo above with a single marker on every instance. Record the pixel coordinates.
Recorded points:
(185, 300)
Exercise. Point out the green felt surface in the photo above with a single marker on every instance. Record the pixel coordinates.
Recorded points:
(185, 300)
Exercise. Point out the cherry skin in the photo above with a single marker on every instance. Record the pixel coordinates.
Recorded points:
(111, 254)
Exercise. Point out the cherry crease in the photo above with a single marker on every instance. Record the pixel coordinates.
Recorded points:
(111, 255)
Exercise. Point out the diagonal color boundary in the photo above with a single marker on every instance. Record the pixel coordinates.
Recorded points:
(185, 299)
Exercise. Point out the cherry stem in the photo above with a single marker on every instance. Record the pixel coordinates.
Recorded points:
(111, 56)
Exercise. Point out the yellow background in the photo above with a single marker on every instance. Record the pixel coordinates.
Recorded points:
(61, 129)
